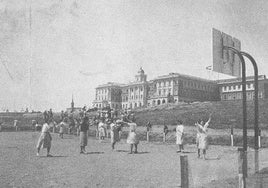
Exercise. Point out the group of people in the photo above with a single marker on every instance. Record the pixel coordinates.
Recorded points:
(201, 136)
(83, 126)
(115, 126)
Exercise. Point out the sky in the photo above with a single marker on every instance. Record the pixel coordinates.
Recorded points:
(53, 49)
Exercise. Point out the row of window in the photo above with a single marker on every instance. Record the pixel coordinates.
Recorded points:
(234, 96)
(134, 105)
(102, 91)
(134, 89)
(190, 84)
(164, 92)
(132, 97)
(237, 87)
(113, 105)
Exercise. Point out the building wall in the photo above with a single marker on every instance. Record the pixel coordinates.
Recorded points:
(233, 91)
(174, 88)
(109, 95)
(134, 96)
(179, 89)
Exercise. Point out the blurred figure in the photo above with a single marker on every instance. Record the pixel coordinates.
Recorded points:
(45, 115)
(61, 130)
(115, 137)
(83, 134)
(132, 137)
(50, 115)
(34, 125)
(44, 140)
(38, 126)
(16, 125)
(101, 129)
(148, 126)
(165, 130)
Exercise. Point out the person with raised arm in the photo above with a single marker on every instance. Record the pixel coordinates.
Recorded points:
(132, 138)
(202, 136)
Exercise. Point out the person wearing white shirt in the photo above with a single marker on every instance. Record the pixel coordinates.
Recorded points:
(180, 135)
(202, 131)
(45, 139)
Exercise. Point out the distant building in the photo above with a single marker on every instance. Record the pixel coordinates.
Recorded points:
(231, 89)
(73, 108)
(173, 88)
(134, 94)
(108, 95)
(176, 87)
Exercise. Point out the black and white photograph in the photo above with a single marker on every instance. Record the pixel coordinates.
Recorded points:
(133, 93)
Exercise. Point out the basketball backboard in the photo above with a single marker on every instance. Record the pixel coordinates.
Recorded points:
(225, 61)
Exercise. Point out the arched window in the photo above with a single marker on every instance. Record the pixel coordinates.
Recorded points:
(158, 102)
(163, 101)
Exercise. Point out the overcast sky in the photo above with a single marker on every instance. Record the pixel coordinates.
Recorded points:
(72, 46)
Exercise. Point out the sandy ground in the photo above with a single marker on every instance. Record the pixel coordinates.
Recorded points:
(156, 164)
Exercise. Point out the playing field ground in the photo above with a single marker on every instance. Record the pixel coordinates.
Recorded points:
(156, 164)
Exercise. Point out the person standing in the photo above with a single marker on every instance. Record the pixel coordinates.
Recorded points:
(83, 134)
(148, 126)
(179, 136)
(132, 137)
(101, 129)
(44, 140)
(45, 114)
(16, 125)
(115, 127)
(61, 126)
(202, 130)
(165, 132)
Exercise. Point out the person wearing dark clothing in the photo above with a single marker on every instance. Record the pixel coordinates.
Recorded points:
(83, 134)
(62, 115)
(50, 115)
(45, 114)
(148, 126)
(165, 129)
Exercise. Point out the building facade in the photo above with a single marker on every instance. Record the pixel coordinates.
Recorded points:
(231, 89)
(176, 87)
(134, 94)
(108, 95)
(173, 88)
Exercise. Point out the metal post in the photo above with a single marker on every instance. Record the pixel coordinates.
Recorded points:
(241, 167)
(256, 98)
(259, 139)
(244, 94)
(244, 102)
(184, 172)
(232, 136)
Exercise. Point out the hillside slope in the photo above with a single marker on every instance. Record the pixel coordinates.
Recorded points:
(225, 113)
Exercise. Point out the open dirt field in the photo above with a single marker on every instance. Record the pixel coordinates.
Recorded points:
(156, 164)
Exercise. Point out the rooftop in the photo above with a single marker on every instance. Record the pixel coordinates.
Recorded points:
(110, 84)
(234, 80)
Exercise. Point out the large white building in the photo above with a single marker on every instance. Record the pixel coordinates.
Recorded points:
(173, 88)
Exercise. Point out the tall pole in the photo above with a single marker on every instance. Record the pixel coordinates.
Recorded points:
(256, 98)
(244, 102)
(244, 94)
